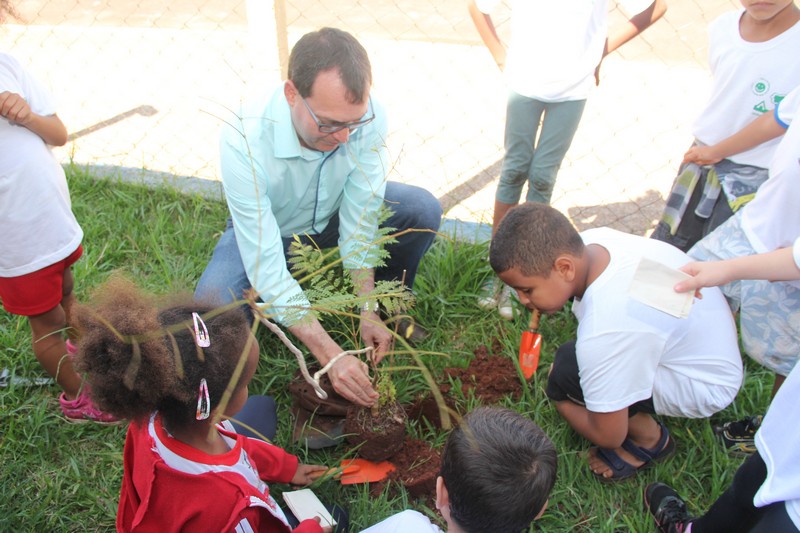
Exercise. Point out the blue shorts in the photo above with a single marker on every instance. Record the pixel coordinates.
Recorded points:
(769, 312)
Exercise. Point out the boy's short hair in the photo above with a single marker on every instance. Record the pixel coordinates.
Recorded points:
(326, 49)
(498, 467)
(531, 237)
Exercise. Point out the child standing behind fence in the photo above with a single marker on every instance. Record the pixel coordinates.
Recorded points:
(39, 236)
(754, 63)
(551, 66)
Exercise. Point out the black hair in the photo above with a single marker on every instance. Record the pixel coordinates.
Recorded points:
(139, 357)
(499, 468)
(326, 49)
(531, 237)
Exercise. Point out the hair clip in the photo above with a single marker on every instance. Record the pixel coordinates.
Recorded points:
(203, 401)
(201, 337)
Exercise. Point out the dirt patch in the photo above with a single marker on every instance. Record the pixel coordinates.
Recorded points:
(490, 375)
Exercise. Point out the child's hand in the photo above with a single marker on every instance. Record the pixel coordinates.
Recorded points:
(702, 155)
(325, 529)
(307, 474)
(14, 108)
(704, 274)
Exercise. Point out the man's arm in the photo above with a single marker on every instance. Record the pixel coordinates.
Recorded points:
(485, 26)
(634, 26)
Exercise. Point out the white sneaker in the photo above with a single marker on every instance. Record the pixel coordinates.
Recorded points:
(505, 306)
(490, 293)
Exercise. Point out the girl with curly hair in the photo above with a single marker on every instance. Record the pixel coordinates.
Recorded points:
(177, 372)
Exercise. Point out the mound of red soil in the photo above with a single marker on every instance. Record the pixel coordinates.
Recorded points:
(417, 467)
(490, 376)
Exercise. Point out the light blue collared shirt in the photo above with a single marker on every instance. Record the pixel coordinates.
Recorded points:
(277, 188)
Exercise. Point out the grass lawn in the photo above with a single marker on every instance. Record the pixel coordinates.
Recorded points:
(56, 476)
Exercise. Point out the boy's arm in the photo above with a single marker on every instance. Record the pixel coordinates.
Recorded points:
(635, 25)
(50, 128)
(607, 430)
(485, 26)
(762, 129)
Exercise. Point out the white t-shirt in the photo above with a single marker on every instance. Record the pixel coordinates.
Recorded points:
(778, 443)
(772, 219)
(36, 220)
(628, 351)
(556, 46)
(405, 522)
(748, 80)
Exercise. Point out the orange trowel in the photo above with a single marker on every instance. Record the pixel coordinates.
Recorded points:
(531, 346)
(363, 471)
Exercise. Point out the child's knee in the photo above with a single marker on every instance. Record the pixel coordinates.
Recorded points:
(563, 380)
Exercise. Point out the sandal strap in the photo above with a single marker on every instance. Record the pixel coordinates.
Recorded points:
(621, 468)
(648, 454)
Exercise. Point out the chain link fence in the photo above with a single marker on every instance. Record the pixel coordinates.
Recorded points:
(141, 85)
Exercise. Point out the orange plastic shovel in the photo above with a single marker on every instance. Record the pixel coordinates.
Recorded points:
(530, 346)
(363, 471)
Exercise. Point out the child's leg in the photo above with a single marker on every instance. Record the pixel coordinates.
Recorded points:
(561, 120)
(734, 510)
(50, 349)
(522, 123)
(563, 387)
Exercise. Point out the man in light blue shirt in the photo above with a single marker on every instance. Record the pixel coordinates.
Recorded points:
(311, 160)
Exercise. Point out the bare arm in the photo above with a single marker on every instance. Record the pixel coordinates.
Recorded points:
(760, 130)
(778, 265)
(635, 25)
(485, 26)
(50, 128)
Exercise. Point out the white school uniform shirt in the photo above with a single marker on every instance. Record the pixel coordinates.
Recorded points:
(772, 219)
(36, 220)
(748, 79)
(556, 46)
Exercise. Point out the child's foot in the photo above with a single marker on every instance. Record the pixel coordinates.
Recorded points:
(490, 293)
(505, 305)
(611, 465)
(739, 436)
(82, 409)
(667, 508)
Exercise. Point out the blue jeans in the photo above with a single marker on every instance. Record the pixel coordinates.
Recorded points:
(224, 279)
(532, 161)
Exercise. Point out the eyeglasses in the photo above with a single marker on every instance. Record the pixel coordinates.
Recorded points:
(339, 126)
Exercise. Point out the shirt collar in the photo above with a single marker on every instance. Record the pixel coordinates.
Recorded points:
(286, 143)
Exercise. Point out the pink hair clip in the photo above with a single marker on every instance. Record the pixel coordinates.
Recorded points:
(201, 336)
(203, 401)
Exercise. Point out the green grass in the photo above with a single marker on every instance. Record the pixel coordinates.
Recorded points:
(56, 476)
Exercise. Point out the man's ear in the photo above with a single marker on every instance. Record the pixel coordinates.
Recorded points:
(290, 92)
(565, 267)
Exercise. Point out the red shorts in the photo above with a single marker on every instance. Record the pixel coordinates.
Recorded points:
(38, 292)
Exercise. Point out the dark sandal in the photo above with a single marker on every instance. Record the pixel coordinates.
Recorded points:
(621, 469)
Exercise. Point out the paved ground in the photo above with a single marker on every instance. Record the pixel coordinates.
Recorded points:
(143, 86)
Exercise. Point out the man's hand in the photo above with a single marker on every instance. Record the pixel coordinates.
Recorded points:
(374, 333)
(350, 378)
(14, 108)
